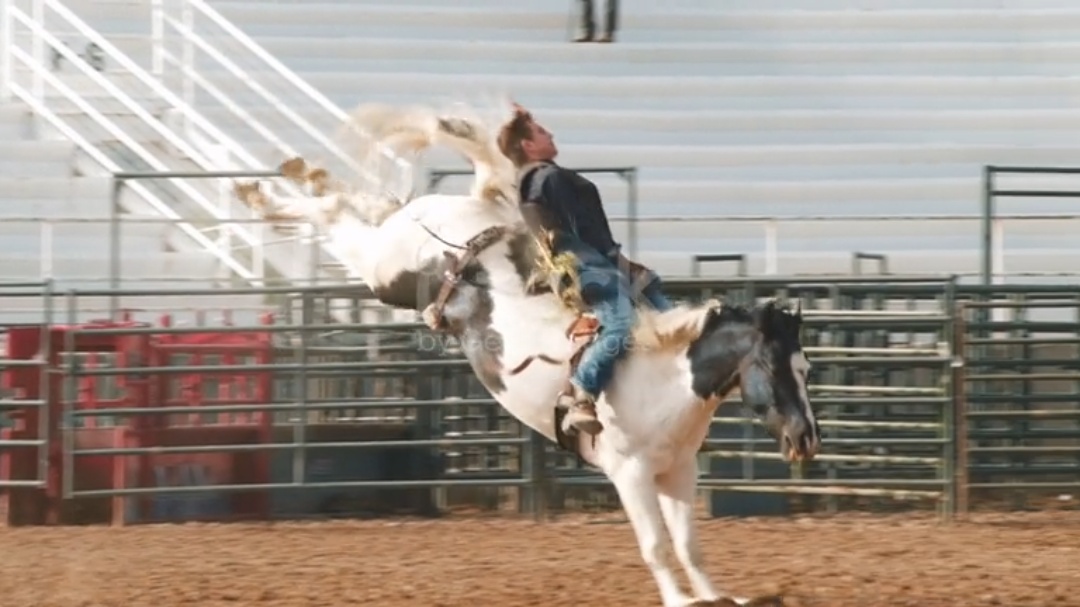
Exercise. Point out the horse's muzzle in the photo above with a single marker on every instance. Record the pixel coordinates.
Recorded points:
(799, 446)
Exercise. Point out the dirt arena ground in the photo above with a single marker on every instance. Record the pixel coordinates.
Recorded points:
(1012, 560)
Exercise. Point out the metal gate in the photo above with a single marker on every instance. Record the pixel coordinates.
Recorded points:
(24, 392)
(1021, 443)
(883, 386)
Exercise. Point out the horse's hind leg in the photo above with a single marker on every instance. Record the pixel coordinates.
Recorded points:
(677, 489)
(637, 490)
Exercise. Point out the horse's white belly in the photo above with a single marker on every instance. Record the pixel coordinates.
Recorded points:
(531, 395)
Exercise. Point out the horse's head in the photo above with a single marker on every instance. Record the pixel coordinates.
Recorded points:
(773, 380)
(759, 351)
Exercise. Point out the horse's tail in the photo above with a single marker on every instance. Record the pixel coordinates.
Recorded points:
(416, 128)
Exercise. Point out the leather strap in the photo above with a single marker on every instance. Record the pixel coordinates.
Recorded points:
(457, 264)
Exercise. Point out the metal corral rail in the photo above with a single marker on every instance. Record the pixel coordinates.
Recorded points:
(888, 382)
(351, 380)
(883, 438)
(473, 442)
(1022, 389)
(24, 418)
(882, 384)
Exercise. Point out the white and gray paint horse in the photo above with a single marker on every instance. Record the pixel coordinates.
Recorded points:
(657, 411)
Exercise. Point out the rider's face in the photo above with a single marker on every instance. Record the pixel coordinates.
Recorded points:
(541, 145)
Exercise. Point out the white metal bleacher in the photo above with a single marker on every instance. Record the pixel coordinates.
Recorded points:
(775, 111)
(73, 127)
(763, 108)
(53, 224)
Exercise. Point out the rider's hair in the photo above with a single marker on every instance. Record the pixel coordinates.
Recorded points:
(513, 133)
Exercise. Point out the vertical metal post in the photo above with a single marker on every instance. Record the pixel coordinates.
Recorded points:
(187, 63)
(225, 230)
(313, 267)
(300, 424)
(772, 246)
(38, 48)
(960, 430)
(258, 255)
(47, 249)
(632, 211)
(987, 224)
(536, 472)
(952, 409)
(114, 247)
(1076, 384)
(45, 379)
(157, 38)
(7, 41)
(835, 376)
(68, 393)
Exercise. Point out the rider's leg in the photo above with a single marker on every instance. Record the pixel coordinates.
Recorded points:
(607, 294)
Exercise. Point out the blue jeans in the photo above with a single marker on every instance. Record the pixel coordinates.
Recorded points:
(607, 293)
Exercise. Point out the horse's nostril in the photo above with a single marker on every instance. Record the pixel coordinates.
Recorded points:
(788, 447)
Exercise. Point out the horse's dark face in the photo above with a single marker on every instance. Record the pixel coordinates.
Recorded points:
(773, 380)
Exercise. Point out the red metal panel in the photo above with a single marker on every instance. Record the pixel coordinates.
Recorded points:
(193, 390)
(33, 506)
(147, 391)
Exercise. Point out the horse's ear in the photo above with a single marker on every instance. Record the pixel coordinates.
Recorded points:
(764, 319)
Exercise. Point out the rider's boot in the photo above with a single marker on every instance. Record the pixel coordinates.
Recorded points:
(581, 412)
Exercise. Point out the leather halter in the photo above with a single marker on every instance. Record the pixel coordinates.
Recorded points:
(457, 264)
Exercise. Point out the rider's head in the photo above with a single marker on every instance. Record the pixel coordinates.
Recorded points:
(523, 140)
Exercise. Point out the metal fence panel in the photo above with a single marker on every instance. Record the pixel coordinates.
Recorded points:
(197, 415)
(1022, 383)
(25, 418)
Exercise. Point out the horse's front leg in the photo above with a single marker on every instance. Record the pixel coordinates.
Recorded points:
(677, 489)
(637, 490)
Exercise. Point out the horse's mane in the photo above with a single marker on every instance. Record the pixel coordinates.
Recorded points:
(686, 323)
(676, 328)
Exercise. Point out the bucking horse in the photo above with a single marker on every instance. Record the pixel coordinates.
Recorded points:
(473, 268)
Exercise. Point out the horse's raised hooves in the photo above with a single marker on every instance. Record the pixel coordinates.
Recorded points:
(294, 169)
(251, 195)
